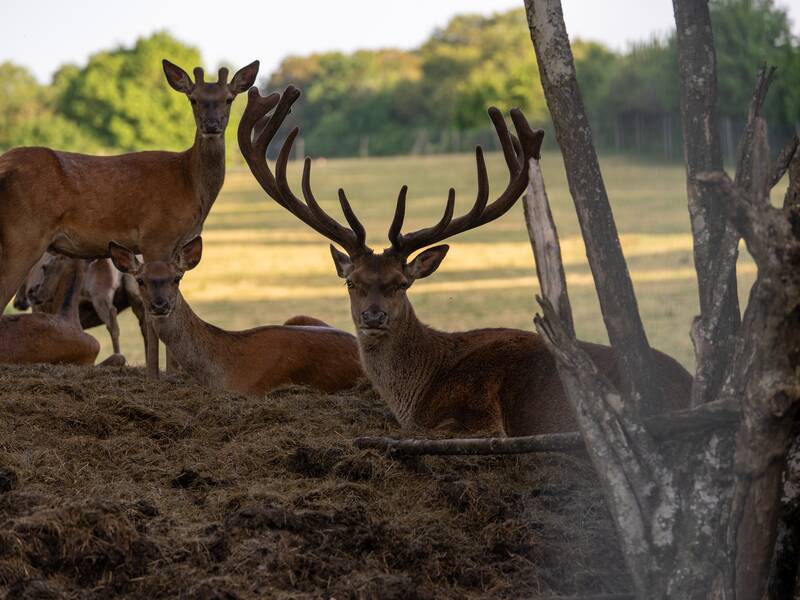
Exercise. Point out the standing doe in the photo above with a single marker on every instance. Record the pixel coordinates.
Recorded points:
(499, 380)
(152, 202)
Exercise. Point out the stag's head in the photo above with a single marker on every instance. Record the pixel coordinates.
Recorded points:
(377, 282)
(158, 280)
(211, 102)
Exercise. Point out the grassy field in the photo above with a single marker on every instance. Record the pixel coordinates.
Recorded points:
(261, 265)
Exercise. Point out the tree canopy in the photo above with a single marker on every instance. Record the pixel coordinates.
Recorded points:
(389, 101)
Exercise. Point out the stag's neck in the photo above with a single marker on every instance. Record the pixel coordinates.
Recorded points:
(207, 166)
(193, 342)
(403, 363)
(67, 296)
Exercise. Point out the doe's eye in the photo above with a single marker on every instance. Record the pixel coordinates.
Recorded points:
(349, 284)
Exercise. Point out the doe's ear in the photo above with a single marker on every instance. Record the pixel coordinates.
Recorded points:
(190, 255)
(344, 266)
(177, 78)
(425, 263)
(244, 78)
(123, 258)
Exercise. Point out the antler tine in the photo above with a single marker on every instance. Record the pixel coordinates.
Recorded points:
(328, 226)
(222, 78)
(399, 216)
(352, 220)
(517, 153)
(408, 243)
(199, 76)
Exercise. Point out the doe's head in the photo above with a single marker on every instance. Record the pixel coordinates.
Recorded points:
(43, 279)
(158, 280)
(211, 102)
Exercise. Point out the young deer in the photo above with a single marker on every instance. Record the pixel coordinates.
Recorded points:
(152, 202)
(254, 361)
(51, 338)
(500, 380)
(105, 292)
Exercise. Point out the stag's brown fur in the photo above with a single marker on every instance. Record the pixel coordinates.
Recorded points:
(152, 202)
(253, 361)
(500, 380)
(51, 338)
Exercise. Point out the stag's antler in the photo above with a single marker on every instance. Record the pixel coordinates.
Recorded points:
(516, 153)
(276, 186)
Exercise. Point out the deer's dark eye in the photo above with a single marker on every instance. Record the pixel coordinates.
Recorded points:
(140, 281)
(229, 101)
(178, 278)
(193, 101)
(349, 284)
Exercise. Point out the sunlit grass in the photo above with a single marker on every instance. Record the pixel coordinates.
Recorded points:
(261, 265)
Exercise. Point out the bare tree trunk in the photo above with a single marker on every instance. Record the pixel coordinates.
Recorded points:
(698, 519)
(610, 272)
(715, 240)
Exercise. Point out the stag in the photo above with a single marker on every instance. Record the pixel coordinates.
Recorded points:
(498, 380)
(51, 338)
(152, 202)
(254, 361)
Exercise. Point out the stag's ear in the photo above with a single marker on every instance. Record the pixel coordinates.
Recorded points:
(344, 266)
(191, 254)
(244, 78)
(177, 77)
(123, 259)
(425, 263)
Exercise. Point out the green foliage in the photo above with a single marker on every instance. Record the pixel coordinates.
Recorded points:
(389, 101)
(121, 98)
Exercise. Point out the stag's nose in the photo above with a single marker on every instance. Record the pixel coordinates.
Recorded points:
(373, 318)
(159, 306)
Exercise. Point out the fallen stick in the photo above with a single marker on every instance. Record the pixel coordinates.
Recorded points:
(708, 416)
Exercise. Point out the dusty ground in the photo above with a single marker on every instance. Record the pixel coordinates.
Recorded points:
(114, 486)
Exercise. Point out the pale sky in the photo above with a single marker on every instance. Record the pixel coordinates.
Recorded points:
(43, 34)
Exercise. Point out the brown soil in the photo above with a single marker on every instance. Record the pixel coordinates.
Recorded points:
(115, 486)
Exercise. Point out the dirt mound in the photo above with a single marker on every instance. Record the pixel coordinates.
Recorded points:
(113, 485)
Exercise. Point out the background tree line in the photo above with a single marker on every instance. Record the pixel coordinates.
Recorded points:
(430, 99)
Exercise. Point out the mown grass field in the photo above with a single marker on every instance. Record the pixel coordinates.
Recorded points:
(261, 265)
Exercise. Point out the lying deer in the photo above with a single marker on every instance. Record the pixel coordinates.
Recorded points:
(499, 380)
(152, 202)
(105, 292)
(51, 338)
(254, 361)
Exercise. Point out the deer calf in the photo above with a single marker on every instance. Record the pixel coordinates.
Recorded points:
(499, 380)
(254, 361)
(51, 338)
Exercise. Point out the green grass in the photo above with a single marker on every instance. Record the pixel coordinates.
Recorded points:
(261, 265)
